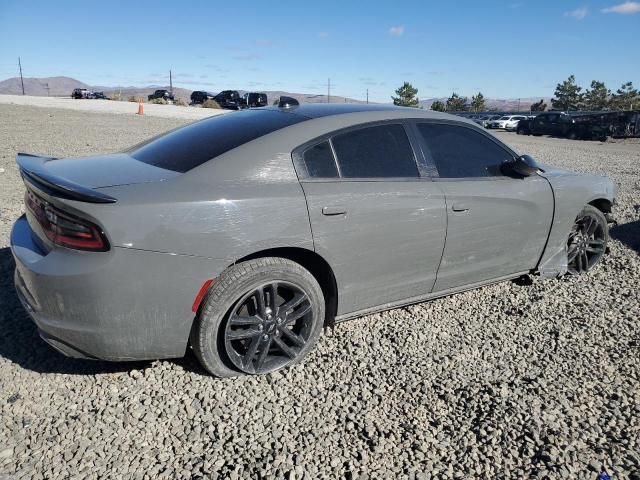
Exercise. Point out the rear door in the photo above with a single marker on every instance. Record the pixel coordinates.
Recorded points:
(379, 224)
(497, 225)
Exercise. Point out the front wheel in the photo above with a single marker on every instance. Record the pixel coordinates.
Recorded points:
(259, 316)
(587, 241)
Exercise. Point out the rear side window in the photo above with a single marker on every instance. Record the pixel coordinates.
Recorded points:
(461, 152)
(187, 147)
(380, 151)
(319, 161)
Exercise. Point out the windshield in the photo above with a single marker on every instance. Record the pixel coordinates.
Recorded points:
(504, 118)
(187, 147)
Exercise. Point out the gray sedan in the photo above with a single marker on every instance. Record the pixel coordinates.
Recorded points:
(243, 235)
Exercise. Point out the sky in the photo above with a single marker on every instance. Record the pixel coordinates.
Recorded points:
(505, 49)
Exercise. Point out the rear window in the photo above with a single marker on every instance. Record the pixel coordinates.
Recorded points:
(187, 147)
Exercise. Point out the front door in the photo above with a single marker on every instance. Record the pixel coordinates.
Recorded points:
(378, 223)
(497, 225)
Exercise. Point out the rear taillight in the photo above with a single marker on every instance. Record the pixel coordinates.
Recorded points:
(65, 229)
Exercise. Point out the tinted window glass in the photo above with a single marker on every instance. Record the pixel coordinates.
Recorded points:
(460, 152)
(382, 151)
(319, 161)
(185, 148)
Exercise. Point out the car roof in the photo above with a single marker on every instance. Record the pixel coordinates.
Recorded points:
(363, 110)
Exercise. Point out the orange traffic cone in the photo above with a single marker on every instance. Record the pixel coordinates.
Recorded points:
(140, 107)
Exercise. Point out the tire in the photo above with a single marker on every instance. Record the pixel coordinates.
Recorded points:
(520, 131)
(572, 135)
(587, 242)
(230, 334)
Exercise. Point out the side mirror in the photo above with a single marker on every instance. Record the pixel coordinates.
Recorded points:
(522, 166)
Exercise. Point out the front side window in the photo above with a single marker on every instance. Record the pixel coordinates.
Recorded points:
(374, 152)
(461, 152)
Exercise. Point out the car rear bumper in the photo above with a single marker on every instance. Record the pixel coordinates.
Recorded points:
(123, 304)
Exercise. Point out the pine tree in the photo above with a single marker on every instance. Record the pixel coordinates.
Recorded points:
(438, 106)
(597, 97)
(456, 103)
(407, 96)
(567, 95)
(626, 97)
(538, 106)
(478, 103)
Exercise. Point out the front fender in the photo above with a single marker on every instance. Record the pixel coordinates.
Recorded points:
(572, 192)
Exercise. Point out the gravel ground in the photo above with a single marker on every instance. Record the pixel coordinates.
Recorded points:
(106, 106)
(509, 381)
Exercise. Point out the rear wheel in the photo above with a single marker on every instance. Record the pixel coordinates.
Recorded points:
(259, 316)
(587, 240)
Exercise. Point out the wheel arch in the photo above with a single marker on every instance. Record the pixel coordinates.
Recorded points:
(603, 204)
(315, 264)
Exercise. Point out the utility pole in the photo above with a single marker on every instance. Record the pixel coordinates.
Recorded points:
(518, 105)
(328, 90)
(46, 85)
(367, 96)
(170, 83)
(21, 80)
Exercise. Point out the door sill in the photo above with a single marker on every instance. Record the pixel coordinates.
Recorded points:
(424, 298)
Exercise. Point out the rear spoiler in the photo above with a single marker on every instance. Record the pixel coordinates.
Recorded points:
(32, 169)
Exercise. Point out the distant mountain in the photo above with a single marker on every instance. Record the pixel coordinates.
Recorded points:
(498, 104)
(63, 86)
(57, 86)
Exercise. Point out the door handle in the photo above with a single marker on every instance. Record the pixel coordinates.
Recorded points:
(459, 207)
(335, 210)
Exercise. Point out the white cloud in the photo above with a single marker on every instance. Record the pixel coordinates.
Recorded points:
(323, 34)
(624, 8)
(396, 31)
(578, 13)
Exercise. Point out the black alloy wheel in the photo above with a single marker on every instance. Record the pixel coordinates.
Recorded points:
(268, 327)
(587, 241)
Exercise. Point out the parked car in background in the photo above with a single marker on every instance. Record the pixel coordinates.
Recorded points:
(97, 96)
(242, 236)
(513, 125)
(200, 96)
(489, 119)
(253, 99)
(229, 100)
(163, 94)
(483, 119)
(578, 125)
(79, 93)
(505, 121)
(524, 126)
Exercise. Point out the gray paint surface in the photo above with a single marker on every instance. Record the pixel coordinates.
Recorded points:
(496, 227)
(171, 232)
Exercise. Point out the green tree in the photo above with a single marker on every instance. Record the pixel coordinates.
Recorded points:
(596, 97)
(538, 106)
(456, 103)
(567, 95)
(625, 97)
(478, 103)
(438, 106)
(407, 96)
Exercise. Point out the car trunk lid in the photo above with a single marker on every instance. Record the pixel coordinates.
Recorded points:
(80, 176)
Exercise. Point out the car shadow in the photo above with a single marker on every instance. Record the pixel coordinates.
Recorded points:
(628, 234)
(21, 344)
